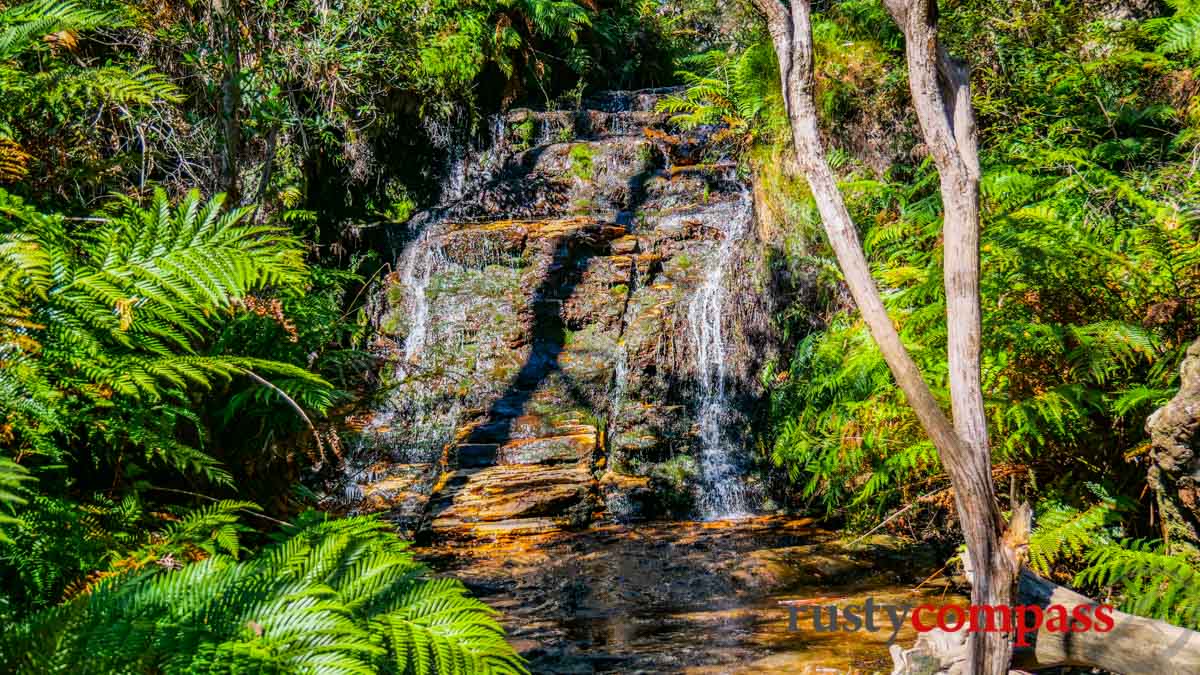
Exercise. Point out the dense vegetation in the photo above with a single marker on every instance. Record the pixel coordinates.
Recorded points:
(189, 195)
(187, 199)
(1090, 132)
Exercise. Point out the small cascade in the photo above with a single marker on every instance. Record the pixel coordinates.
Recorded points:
(620, 379)
(722, 494)
(419, 261)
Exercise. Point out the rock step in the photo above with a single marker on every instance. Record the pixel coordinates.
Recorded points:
(577, 447)
(512, 492)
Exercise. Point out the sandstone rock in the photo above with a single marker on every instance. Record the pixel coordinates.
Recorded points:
(549, 450)
(510, 492)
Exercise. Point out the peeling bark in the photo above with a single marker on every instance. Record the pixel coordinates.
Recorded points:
(1175, 460)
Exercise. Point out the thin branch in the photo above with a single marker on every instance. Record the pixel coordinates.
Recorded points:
(292, 402)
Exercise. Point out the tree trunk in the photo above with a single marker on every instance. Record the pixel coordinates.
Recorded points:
(231, 98)
(949, 127)
(1175, 460)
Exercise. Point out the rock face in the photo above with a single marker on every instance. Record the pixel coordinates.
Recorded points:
(574, 335)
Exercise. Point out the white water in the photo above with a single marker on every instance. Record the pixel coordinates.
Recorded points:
(722, 493)
(620, 380)
(419, 261)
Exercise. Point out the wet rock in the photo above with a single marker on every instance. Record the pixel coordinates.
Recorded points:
(507, 493)
(828, 563)
(549, 450)
(536, 327)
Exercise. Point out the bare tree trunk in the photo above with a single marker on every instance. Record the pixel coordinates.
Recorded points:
(231, 96)
(949, 127)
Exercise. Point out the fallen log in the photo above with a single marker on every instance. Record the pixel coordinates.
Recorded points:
(1135, 645)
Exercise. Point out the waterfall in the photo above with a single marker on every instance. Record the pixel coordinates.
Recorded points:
(722, 494)
(419, 262)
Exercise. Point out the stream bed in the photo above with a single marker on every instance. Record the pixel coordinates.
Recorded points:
(693, 597)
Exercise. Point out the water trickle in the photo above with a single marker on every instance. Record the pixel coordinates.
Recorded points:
(722, 493)
(419, 262)
(620, 381)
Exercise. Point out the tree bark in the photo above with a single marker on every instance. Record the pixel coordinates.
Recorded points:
(1175, 460)
(231, 97)
(948, 124)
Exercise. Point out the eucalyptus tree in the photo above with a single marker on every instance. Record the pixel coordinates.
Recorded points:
(996, 546)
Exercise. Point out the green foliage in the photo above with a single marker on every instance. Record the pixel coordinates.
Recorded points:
(1065, 533)
(43, 135)
(336, 596)
(12, 477)
(23, 26)
(1147, 580)
(111, 321)
(582, 161)
(1089, 261)
(1181, 32)
(60, 548)
(736, 91)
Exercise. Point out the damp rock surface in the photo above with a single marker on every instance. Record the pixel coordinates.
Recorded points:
(559, 336)
(702, 597)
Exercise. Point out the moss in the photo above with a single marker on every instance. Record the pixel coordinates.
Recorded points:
(565, 134)
(620, 290)
(684, 261)
(582, 161)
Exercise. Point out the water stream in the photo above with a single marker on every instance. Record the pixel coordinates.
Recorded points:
(722, 494)
(419, 261)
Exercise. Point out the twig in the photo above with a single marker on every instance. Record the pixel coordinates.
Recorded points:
(366, 283)
(295, 406)
(931, 577)
(214, 499)
(885, 522)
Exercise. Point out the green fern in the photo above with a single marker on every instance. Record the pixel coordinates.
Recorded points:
(124, 310)
(1067, 533)
(13, 479)
(1179, 33)
(22, 26)
(339, 596)
(1148, 580)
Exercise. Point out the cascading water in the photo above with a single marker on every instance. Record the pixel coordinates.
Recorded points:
(722, 494)
(419, 262)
